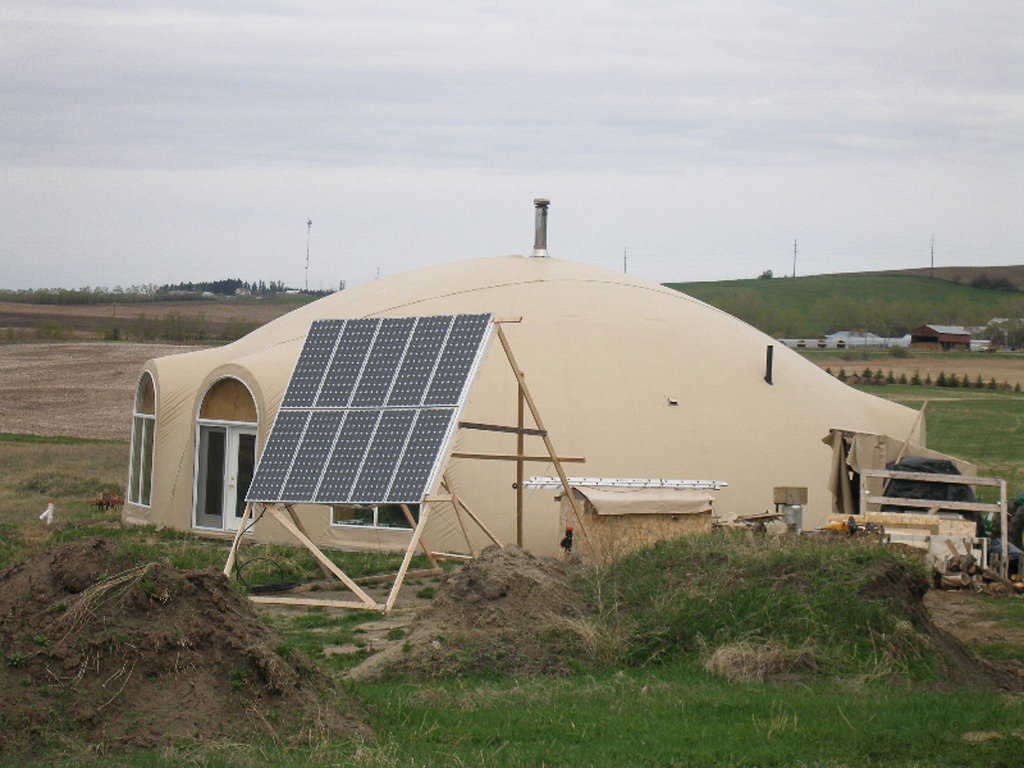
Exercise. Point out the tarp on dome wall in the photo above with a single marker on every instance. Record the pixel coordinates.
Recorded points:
(640, 379)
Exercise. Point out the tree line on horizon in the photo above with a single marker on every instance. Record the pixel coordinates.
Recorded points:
(150, 292)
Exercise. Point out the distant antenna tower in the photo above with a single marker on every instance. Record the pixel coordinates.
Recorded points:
(625, 256)
(309, 227)
(794, 257)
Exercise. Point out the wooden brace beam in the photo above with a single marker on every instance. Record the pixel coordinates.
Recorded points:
(501, 428)
(236, 543)
(321, 557)
(514, 457)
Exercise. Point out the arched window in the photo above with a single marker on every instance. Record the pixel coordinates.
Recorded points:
(140, 483)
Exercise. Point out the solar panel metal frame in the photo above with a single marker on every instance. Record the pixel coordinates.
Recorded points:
(443, 450)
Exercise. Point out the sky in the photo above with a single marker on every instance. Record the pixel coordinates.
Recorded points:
(156, 142)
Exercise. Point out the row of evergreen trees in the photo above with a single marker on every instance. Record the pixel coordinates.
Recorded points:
(868, 376)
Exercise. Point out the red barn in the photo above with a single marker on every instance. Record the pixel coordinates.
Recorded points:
(944, 337)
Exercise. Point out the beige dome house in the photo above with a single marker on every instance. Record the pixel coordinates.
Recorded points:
(641, 380)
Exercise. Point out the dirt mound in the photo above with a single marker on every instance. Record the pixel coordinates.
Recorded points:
(506, 611)
(145, 656)
(905, 589)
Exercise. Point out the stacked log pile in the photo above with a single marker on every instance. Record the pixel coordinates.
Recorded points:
(961, 570)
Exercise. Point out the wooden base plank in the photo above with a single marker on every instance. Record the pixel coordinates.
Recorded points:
(313, 602)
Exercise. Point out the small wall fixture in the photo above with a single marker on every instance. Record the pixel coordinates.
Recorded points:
(672, 401)
(769, 350)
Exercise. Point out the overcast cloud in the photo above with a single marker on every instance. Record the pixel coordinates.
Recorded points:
(168, 142)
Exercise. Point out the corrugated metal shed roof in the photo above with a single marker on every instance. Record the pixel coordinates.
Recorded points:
(957, 330)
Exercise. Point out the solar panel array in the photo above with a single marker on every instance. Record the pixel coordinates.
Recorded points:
(368, 409)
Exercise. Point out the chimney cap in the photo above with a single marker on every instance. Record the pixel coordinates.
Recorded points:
(541, 202)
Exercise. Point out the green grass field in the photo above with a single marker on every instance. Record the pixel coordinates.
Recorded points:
(889, 305)
(984, 427)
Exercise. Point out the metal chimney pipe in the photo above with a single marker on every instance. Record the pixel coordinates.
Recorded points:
(540, 227)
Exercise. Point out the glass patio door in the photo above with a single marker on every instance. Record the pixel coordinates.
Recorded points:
(225, 463)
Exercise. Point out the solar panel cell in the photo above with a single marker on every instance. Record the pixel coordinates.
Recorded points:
(347, 362)
(382, 362)
(456, 359)
(277, 455)
(385, 450)
(420, 360)
(348, 453)
(309, 369)
(420, 455)
(312, 455)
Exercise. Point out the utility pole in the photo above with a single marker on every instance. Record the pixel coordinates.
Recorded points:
(309, 227)
(624, 257)
(794, 257)
(931, 274)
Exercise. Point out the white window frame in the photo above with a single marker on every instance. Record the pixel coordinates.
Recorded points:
(372, 526)
(145, 421)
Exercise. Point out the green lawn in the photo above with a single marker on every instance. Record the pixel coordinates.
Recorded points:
(674, 715)
(981, 426)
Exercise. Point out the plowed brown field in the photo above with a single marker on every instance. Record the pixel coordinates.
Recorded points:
(90, 317)
(73, 389)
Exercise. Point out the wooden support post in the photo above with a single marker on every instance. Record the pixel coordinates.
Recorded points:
(547, 440)
(1004, 559)
(519, 466)
(321, 557)
(298, 524)
(412, 524)
(413, 543)
(237, 540)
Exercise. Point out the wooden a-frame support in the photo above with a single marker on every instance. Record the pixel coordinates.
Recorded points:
(442, 494)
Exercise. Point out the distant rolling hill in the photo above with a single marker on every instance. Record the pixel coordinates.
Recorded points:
(1013, 275)
(886, 303)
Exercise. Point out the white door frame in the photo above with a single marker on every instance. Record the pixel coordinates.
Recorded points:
(230, 514)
